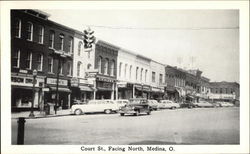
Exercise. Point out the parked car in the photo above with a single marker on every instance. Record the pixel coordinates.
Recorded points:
(225, 104)
(136, 107)
(153, 104)
(121, 102)
(203, 104)
(168, 104)
(106, 106)
(189, 105)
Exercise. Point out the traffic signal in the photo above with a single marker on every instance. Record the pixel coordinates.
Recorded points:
(89, 38)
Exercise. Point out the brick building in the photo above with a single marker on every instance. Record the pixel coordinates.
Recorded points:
(37, 44)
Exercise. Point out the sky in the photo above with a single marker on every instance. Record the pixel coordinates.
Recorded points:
(207, 40)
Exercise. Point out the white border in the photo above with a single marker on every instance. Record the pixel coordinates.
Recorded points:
(5, 67)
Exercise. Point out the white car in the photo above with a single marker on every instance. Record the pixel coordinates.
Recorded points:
(121, 102)
(168, 104)
(153, 104)
(226, 104)
(203, 104)
(107, 106)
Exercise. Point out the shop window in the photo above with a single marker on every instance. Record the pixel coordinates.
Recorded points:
(29, 60)
(41, 34)
(61, 42)
(18, 26)
(51, 39)
(79, 48)
(153, 76)
(16, 59)
(29, 31)
(50, 64)
(40, 62)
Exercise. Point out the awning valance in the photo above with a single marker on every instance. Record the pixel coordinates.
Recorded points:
(60, 89)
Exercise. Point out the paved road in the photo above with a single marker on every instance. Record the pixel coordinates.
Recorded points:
(181, 126)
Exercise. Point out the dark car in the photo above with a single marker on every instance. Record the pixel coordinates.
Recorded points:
(136, 107)
(189, 105)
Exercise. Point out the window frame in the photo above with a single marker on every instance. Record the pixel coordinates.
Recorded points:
(17, 58)
(50, 64)
(29, 58)
(18, 28)
(61, 42)
(51, 39)
(30, 31)
(40, 62)
(41, 34)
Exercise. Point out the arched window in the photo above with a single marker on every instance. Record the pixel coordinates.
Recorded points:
(29, 31)
(112, 68)
(40, 62)
(120, 69)
(141, 74)
(137, 71)
(70, 44)
(41, 34)
(51, 39)
(89, 66)
(18, 28)
(78, 68)
(99, 65)
(146, 73)
(61, 42)
(130, 71)
(79, 48)
(106, 66)
(125, 70)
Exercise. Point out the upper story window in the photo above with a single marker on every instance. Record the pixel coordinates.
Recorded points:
(112, 68)
(99, 65)
(106, 64)
(16, 59)
(120, 69)
(125, 70)
(70, 44)
(50, 65)
(146, 73)
(61, 42)
(78, 68)
(130, 71)
(17, 27)
(69, 70)
(137, 71)
(40, 62)
(29, 31)
(61, 68)
(79, 48)
(141, 74)
(51, 39)
(153, 76)
(29, 60)
(160, 79)
(89, 66)
(41, 34)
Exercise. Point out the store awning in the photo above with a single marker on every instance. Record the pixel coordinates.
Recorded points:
(86, 88)
(104, 89)
(60, 89)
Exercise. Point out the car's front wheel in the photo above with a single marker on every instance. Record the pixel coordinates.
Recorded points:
(136, 113)
(78, 112)
(108, 111)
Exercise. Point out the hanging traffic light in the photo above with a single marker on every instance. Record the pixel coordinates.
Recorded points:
(89, 39)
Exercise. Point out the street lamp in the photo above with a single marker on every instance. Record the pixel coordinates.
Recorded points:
(34, 73)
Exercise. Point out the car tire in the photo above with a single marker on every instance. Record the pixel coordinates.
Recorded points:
(136, 113)
(78, 112)
(148, 113)
(121, 114)
(108, 111)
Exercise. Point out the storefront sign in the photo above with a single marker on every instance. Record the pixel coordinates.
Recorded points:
(146, 88)
(121, 84)
(105, 79)
(45, 89)
(74, 82)
(106, 85)
(23, 71)
(26, 81)
(60, 82)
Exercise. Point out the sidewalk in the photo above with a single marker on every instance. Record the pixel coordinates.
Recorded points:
(38, 114)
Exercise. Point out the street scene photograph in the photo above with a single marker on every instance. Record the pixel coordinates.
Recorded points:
(125, 77)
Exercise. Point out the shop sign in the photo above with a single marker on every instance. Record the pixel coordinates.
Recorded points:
(74, 82)
(155, 89)
(25, 81)
(121, 84)
(146, 88)
(107, 85)
(104, 79)
(60, 81)
(45, 89)
(23, 71)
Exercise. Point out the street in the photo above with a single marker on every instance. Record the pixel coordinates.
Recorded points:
(180, 126)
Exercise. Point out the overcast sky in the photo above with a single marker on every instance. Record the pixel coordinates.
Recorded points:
(173, 37)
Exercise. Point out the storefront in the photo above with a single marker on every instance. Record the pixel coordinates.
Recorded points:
(142, 91)
(171, 93)
(64, 93)
(105, 88)
(125, 90)
(156, 93)
(22, 93)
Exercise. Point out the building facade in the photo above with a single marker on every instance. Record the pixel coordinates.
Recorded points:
(45, 46)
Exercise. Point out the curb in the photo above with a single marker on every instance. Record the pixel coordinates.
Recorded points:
(46, 116)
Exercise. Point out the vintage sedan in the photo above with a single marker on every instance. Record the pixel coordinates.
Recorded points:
(154, 104)
(189, 105)
(106, 106)
(136, 107)
(121, 102)
(203, 104)
(168, 104)
(226, 104)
